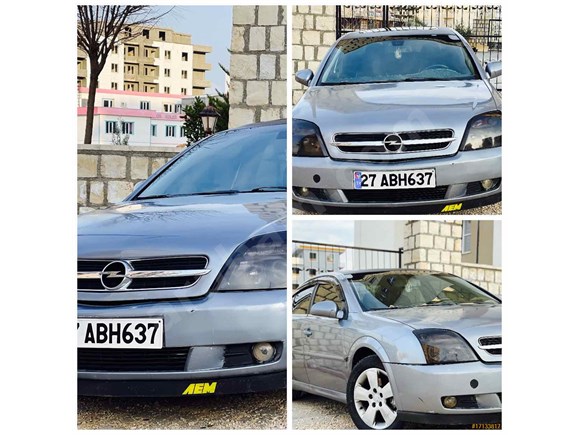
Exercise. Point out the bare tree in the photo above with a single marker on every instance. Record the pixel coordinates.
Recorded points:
(99, 29)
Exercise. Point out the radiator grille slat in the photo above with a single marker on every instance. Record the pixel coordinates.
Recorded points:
(132, 360)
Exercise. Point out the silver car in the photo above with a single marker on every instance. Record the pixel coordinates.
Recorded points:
(182, 286)
(401, 121)
(399, 346)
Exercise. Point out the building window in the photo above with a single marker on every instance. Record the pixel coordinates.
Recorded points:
(168, 108)
(145, 105)
(114, 85)
(146, 33)
(162, 35)
(466, 238)
(166, 89)
(167, 72)
(129, 86)
(131, 51)
(184, 55)
(130, 69)
(182, 132)
(170, 131)
(107, 103)
(313, 255)
(127, 127)
(183, 91)
(167, 54)
(178, 108)
(110, 126)
(153, 129)
(114, 67)
(311, 272)
(184, 74)
(115, 49)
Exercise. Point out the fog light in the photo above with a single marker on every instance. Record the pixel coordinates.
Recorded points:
(487, 184)
(304, 191)
(263, 352)
(449, 402)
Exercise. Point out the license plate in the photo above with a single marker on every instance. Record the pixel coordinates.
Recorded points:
(143, 333)
(413, 179)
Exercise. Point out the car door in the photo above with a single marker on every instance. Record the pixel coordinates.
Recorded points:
(300, 309)
(324, 348)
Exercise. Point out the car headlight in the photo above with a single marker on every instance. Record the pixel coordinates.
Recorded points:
(306, 139)
(442, 346)
(483, 131)
(258, 264)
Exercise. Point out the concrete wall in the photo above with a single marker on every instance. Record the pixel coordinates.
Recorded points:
(313, 32)
(258, 64)
(436, 245)
(107, 173)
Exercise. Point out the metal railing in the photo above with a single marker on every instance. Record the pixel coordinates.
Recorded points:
(311, 258)
(480, 25)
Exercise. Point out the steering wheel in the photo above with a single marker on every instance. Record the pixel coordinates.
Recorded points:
(439, 66)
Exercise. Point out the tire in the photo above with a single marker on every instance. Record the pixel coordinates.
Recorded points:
(369, 396)
(297, 395)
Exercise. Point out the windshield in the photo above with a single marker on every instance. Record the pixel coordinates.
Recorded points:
(383, 59)
(381, 291)
(250, 159)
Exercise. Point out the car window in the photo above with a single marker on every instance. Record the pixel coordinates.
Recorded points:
(329, 291)
(383, 59)
(386, 290)
(238, 160)
(301, 300)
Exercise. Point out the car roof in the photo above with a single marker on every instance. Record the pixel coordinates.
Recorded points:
(432, 31)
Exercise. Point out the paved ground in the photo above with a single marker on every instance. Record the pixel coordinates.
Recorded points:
(492, 209)
(246, 411)
(313, 412)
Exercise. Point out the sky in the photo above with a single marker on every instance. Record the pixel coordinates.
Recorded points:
(340, 232)
(207, 25)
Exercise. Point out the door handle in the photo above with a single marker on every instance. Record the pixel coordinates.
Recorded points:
(307, 332)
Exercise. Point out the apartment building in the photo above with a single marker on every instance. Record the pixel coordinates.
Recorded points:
(144, 118)
(157, 60)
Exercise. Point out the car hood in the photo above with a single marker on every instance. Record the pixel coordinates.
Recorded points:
(395, 107)
(470, 321)
(212, 225)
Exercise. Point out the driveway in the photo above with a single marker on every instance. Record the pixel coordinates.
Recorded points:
(246, 411)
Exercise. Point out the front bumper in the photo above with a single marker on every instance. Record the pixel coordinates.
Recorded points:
(333, 180)
(420, 389)
(206, 328)
(171, 388)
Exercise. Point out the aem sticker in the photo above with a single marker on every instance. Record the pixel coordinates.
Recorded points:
(202, 388)
(452, 207)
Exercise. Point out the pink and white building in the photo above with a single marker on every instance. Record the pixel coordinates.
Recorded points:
(149, 119)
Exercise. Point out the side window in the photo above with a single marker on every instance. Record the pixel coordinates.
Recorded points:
(301, 300)
(329, 291)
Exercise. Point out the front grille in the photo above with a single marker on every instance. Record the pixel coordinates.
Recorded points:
(132, 360)
(467, 402)
(396, 195)
(412, 141)
(491, 345)
(193, 263)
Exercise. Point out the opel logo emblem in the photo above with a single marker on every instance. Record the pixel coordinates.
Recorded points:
(393, 142)
(114, 275)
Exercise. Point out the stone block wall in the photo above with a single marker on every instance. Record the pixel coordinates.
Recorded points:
(436, 245)
(313, 32)
(106, 174)
(257, 65)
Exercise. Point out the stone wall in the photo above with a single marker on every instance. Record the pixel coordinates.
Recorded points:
(436, 245)
(258, 64)
(106, 174)
(313, 32)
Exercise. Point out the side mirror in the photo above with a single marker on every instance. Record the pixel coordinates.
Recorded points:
(327, 309)
(304, 77)
(493, 69)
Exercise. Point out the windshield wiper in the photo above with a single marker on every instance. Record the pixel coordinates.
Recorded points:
(175, 195)
(269, 189)
(437, 303)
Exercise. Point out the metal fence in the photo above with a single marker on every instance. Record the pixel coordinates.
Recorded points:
(479, 25)
(309, 259)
